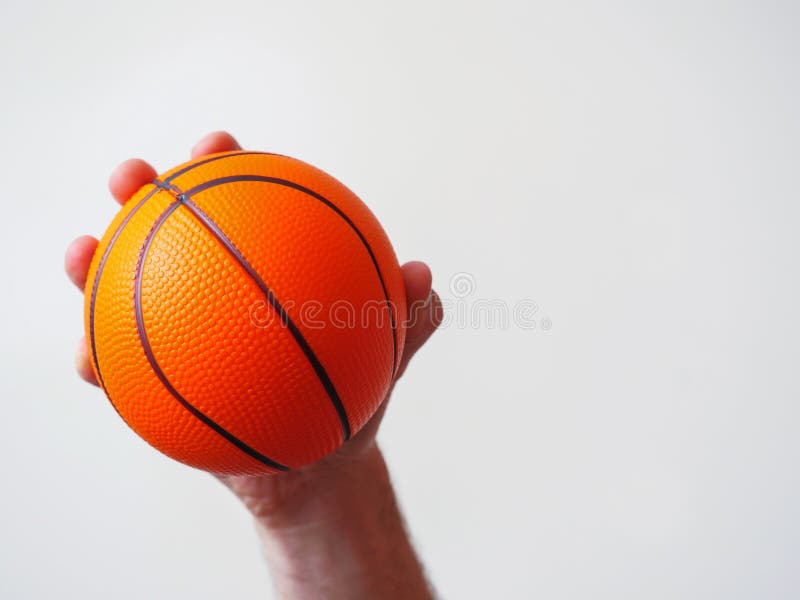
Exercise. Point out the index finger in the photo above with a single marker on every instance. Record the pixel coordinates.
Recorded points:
(218, 141)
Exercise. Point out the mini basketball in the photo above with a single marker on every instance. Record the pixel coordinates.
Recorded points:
(244, 313)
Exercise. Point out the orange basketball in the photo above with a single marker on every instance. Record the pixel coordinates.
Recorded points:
(244, 313)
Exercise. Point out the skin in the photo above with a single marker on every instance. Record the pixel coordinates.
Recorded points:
(331, 529)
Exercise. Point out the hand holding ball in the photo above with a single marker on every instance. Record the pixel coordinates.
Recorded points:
(244, 313)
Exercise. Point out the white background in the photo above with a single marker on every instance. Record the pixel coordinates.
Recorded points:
(630, 167)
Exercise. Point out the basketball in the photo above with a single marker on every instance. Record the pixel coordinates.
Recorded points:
(244, 313)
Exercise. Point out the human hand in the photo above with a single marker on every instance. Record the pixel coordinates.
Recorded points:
(321, 492)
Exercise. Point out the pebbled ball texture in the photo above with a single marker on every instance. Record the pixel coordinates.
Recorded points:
(245, 313)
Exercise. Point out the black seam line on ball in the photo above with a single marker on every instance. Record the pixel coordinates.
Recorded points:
(101, 265)
(319, 369)
(295, 186)
(232, 154)
(137, 299)
(158, 186)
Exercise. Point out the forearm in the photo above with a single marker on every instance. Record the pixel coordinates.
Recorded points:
(342, 537)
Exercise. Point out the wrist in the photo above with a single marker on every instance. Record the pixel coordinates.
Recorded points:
(338, 528)
(326, 491)
(280, 501)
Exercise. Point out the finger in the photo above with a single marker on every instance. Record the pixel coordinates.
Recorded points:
(424, 309)
(77, 259)
(424, 316)
(128, 177)
(418, 278)
(82, 363)
(427, 319)
(416, 336)
(218, 141)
